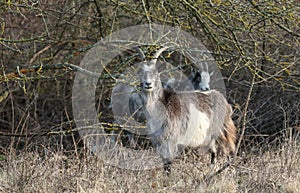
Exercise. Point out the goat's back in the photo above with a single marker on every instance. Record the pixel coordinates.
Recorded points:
(194, 119)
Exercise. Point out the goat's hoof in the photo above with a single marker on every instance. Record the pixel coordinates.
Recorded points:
(167, 168)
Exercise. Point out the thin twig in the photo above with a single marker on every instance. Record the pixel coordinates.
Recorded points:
(245, 113)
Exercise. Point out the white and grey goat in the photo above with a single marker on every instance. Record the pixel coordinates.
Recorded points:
(184, 119)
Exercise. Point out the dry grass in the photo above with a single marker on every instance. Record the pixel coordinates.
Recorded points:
(275, 170)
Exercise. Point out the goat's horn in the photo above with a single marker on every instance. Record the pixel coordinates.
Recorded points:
(156, 55)
(140, 52)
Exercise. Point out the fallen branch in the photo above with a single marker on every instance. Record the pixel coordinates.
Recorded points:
(102, 126)
(22, 70)
(219, 171)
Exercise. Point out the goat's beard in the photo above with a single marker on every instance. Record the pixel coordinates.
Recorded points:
(155, 115)
(152, 95)
(154, 109)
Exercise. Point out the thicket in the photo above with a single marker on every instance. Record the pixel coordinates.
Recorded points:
(255, 44)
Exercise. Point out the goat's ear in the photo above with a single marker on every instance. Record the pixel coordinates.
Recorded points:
(212, 73)
(141, 54)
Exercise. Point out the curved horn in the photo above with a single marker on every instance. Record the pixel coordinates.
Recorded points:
(156, 55)
(140, 52)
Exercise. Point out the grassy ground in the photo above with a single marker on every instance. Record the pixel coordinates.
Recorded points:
(269, 169)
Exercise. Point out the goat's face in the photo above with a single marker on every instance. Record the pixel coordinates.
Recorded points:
(196, 76)
(149, 78)
(200, 79)
(205, 79)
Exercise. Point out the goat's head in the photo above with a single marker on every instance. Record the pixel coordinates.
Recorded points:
(149, 75)
(149, 78)
(201, 79)
(205, 79)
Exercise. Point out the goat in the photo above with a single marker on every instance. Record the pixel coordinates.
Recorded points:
(121, 93)
(200, 79)
(184, 119)
(197, 80)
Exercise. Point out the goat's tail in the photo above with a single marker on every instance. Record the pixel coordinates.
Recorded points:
(228, 138)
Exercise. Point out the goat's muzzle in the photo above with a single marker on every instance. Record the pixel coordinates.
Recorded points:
(148, 87)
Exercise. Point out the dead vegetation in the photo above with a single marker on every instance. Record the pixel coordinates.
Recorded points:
(268, 169)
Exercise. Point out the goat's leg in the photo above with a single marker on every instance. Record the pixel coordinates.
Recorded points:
(231, 155)
(212, 158)
(213, 154)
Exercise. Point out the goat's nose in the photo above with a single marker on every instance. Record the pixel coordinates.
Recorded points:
(148, 83)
